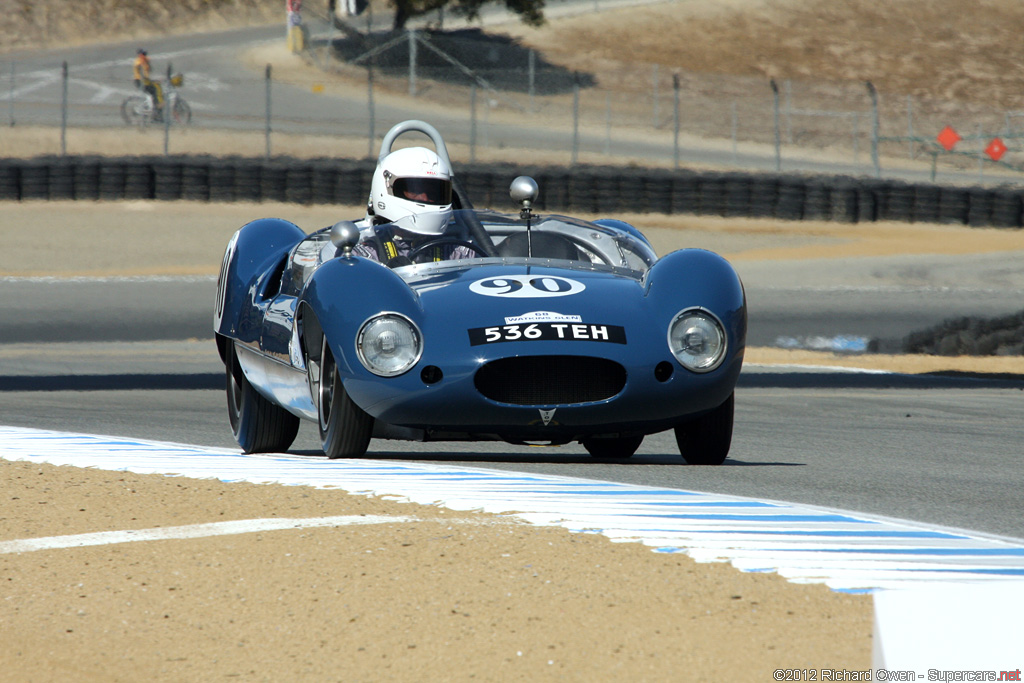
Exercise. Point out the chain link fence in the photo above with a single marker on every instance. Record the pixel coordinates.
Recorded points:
(496, 99)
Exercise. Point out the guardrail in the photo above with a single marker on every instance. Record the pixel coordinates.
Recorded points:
(588, 189)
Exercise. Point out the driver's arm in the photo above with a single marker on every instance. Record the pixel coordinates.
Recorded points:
(366, 249)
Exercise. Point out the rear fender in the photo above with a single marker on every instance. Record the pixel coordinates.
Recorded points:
(252, 251)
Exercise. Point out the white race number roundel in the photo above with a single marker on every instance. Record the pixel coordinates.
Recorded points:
(527, 286)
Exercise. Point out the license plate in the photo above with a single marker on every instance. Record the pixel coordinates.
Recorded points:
(613, 334)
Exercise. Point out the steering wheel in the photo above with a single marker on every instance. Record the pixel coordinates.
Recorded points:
(455, 241)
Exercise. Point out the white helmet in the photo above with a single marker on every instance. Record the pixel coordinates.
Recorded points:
(413, 182)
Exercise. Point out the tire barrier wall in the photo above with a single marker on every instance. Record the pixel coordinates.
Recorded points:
(1003, 336)
(587, 189)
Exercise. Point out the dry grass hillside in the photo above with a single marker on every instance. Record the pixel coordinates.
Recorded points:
(43, 23)
(969, 50)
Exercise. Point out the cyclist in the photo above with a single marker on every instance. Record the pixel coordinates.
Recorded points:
(140, 70)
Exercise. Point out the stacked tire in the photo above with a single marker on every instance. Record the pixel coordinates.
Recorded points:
(604, 191)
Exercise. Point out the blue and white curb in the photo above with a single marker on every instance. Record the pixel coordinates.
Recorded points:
(945, 600)
(845, 551)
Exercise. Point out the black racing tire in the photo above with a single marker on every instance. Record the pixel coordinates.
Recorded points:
(345, 429)
(618, 447)
(259, 426)
(706, 440)
(62, 181)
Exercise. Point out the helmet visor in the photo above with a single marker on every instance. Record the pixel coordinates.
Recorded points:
(433, 191)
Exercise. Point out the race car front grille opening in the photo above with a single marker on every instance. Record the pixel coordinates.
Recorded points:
(550, 380)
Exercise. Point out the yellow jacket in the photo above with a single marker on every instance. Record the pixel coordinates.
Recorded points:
(141, 68)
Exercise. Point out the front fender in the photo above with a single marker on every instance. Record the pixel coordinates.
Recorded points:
(340, 296)
(697, 278)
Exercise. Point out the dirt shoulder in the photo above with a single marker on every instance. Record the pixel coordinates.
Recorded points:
(451, 596)
(83, 238)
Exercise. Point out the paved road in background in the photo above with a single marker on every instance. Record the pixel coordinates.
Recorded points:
(801, 303)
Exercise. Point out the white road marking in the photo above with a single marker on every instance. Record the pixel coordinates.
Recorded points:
(242, 526)
(116, 279)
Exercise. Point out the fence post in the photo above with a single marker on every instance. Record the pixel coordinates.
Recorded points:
(167, 117)
(531, 69)
(789, 111)
(778, 132)
(607, 124)
(10, 101)
(64, 110)
(371, 105)
(981, 154)
(874, 128)
(675, 120)
(167, 129)
(910, 125)
(330, 41)
(734, 131)
(654, 94)
(267, 127)
(575, 116)
(412, 62)
(472, 123)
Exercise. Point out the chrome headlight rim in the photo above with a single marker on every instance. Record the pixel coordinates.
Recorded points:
(716, 360)
(409, 364)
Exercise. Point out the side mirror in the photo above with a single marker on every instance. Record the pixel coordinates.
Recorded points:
(345, 235)
(524, 192)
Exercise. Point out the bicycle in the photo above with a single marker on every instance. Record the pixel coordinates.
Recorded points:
(139, 110)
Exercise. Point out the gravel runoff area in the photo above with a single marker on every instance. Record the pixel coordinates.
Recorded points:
(452, 596)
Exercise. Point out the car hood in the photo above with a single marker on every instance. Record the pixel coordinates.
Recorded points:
(486, 294)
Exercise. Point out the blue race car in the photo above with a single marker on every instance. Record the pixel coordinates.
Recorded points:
(544, 329)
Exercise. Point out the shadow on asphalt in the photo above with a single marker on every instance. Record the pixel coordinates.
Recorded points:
(501, 61)
(540, 457)
(762, 380)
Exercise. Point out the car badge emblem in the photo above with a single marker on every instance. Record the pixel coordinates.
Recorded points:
(546, 415)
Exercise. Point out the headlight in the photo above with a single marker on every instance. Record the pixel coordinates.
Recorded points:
(389, 344)
(697, 340)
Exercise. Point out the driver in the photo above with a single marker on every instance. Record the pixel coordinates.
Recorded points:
(412, 186)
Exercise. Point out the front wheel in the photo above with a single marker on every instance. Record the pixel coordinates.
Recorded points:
(258, 425)
(135, 110)
(181, 112)
(345, 428)
(706, 439)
